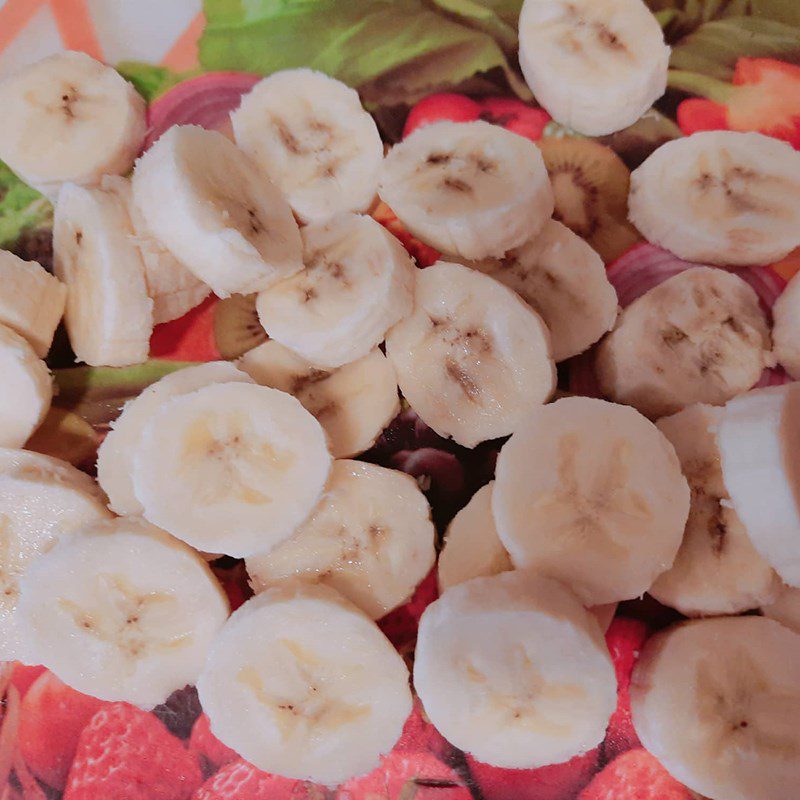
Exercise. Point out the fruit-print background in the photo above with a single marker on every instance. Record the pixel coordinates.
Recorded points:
(735, 65)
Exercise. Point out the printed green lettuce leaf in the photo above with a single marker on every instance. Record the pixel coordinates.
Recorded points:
(22, 209)
(149, 80)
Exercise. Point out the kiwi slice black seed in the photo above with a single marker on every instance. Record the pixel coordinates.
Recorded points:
(237, 328)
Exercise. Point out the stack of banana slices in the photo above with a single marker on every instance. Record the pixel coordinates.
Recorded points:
(684, 483)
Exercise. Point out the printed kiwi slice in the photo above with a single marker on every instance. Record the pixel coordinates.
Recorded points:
(236, 325)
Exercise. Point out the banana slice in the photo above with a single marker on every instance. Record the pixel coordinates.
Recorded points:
(785, 608)
(492, 681)
(558, 275)
(109, 317)
(786, 331)
(353, 403)
(471, 188)
(213, 209)
(116, 453)
(310, 135)
(121, 612)
(27, 389)
(301, 683)
(69, 118)
(473, 358)
(720, 197)
(595, 66)
(41, 498)
(716, 701)
(370, 537)
(717, 569)
(699, 337)
(230, 468)
(357, 283)
(591, 493)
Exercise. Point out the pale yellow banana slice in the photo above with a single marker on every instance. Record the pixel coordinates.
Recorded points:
(717, 702)
(302, 684)
(785, 608)
(473, 358)
(591, 493)
(472, 189)
(786, 331)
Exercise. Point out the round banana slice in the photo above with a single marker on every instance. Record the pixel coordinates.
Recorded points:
(230, 468)
(720, 197)
(41, 498)
(786, 330)
(473, 358)
(469, 188)
(109, 316)
(370, 537)
(358, 281)
(353, 403)
(302, 684)
(699, 337)
(595, 67)
(69, 118)
(27, 389)
(309, 133)
(121, 612)
(214, 210)
(115, 456)
(591, 493)
(717, 570)
(785, 608)
(559, 276)
(494, 683)
(717, 702)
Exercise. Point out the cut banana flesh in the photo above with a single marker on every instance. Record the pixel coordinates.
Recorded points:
(301, 683)
(214, 210)
(494, 685)
(595, 66)
(231, 468)
(785, 608)
(358, 281)
(472, 189)
(41, 498)
(116, 453)
(699, 337)
(717, 569)
(717, 702)
(591, 493)
(473, 358)
(109, 316)
(121, 611)
(353, 403)
(69, 118)
(786, 331)
(720, 197)
(310, 135)
(558, 275)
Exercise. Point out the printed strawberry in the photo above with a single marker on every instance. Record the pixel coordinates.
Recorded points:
(515, 116)
(441, 106)
(233, 577)
(419, 735)
(53, 715)
(242, 781)
(420, 252)
(127, 754)
(189, 338)
(635, 775)
(212, 752)
(23, 676)
(400, 625)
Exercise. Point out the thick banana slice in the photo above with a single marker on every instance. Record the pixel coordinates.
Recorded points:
(214, 210)
(595, 66)
(699, 337)
(471, 188)
(231, 468)
(41, 498)
(115, 456)
(558, 275)
(121, 612)
(492, 681)
(301, 683)
(717, 702)
(786, 331)
(27, 389)
(720, 197)
(69, 118)
(370, 537)
(717, 569)
(109, 317)
(310, 135)
(591, 493)
(357, 283)
(473, 358)
(353, 403)
(785, 608)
